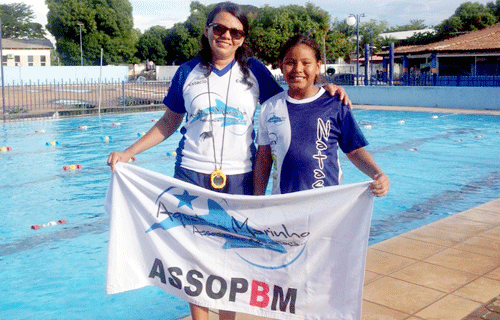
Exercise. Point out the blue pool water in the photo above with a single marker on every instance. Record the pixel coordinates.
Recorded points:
(439, 165)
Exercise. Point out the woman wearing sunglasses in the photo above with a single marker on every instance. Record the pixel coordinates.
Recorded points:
(217, 92)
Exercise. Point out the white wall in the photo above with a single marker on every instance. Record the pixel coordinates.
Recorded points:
(165, 73)
(23, 57)
(64, 74)
(479, 98)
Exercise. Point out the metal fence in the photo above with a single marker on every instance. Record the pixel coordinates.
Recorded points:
(36, 100)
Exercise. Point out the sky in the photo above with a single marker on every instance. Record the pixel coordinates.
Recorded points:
(148, 13)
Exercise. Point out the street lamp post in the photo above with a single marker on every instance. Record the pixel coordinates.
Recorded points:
(81, 48)
(351, 20)
(371, 56)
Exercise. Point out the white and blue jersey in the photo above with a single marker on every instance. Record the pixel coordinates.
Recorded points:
(204, 119)
(304, 136)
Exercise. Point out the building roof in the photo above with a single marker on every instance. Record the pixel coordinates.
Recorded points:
(487, 39)
(26, 44)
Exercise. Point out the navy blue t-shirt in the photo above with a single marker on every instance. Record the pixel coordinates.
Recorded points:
(304, 136)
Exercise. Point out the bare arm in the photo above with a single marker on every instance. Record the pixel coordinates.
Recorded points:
(162, 129)
(364, 161)
(262, 169)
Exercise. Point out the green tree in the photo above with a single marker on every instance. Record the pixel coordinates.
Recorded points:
(136, 35)
(180, 44)
(177, 44)
(369, 33)
(105, 24)
(494, 8)
(151, 45)
(419, 39)
(337, 45)
(271, 27)
(55, 59)
(17, 22)
(469, 16)
(413, 25)
(195, 23)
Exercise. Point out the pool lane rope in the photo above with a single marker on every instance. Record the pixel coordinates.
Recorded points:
(48, 224)
(72, 167)
(107, 139)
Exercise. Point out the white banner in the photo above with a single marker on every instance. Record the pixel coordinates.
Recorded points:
(293, 256)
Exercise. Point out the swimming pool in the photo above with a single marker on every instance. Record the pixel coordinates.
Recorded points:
(439, 165)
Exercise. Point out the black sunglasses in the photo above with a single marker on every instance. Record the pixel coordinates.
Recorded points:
(220, 29)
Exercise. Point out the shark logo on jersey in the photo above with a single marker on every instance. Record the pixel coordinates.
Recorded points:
(220, 113)
(275, 119)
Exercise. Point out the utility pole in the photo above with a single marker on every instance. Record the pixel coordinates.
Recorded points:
(81, 48)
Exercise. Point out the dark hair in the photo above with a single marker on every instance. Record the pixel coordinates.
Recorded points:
(242, 53)
(301, 39)
(296, 40)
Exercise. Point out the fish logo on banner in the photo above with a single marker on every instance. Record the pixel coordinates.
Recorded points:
(290, 257)
(217, 223)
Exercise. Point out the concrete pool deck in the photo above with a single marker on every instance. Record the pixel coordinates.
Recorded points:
(447, 270)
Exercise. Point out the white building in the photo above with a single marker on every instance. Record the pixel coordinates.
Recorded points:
(402, 35)
(26, 52)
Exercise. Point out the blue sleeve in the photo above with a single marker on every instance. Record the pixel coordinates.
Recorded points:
(268, 86)
(352, 137)
(174, 99)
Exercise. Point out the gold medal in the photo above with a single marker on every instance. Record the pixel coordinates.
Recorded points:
(218, 179)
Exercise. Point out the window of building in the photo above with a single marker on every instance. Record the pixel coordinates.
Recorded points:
(43, 61)
(17, 59)
(4, 60)
(30, 61)
(487, 66)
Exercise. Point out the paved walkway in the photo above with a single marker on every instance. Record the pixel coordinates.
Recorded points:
(447, 270)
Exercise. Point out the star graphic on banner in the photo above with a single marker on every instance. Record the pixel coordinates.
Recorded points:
(185, 199)
(237, 234)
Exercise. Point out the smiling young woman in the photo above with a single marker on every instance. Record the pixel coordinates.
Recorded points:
(224, 44)
(301, 69)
